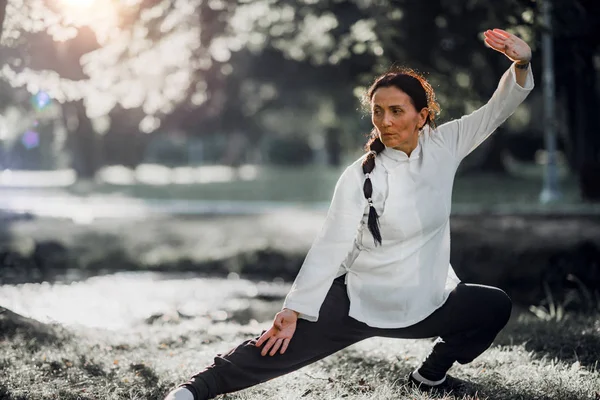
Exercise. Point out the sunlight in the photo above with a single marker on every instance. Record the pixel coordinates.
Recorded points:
(100, 15)
(106, 301)
(78, 3)
(35, 179)
(77, 6)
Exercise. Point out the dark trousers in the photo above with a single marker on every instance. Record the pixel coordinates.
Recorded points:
(466, 326)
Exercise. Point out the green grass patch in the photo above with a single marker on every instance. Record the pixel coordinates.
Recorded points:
(531, 359)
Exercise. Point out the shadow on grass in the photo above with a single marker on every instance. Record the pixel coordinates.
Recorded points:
(91, 367)
(5, 394)
(34, 333)
(573, 339)
(398, 373)
(146, 373)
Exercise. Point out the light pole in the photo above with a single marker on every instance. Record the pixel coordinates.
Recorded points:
(550, 192)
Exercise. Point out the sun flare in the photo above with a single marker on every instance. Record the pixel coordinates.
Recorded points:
(78, 3)
(100, 15)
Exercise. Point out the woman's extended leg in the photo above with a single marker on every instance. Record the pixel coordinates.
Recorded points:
(244, 366)
(466, 325)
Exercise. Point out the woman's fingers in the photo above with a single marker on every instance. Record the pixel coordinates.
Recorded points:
(495, 43)
(268, 346)
(276, 347)
(278, 336)
(495, 37)
(502, 32)
(510, 45)
(261, 340)
(494, 46)
(264, 337)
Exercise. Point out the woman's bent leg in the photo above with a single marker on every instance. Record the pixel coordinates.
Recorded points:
(244, 366)
(466, 325)
(475, 315)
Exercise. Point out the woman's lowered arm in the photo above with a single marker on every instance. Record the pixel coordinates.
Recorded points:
(330, 248)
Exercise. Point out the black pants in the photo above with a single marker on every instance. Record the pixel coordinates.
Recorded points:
(466, 326)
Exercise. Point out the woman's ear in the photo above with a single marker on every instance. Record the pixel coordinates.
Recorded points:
(423, 114)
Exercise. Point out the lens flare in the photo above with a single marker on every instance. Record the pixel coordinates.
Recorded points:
(41, 100)
(30, 139)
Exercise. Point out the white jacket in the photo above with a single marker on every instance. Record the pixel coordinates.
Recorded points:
(409, 276)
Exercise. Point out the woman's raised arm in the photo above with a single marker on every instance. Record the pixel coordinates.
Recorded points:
(463, 135)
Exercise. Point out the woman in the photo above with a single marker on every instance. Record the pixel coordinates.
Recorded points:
(380, 266)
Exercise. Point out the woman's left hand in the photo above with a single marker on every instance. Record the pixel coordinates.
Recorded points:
(510, 45)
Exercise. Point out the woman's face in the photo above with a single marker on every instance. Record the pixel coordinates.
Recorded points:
(396, 119)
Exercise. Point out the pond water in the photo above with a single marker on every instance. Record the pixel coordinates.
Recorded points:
(126, 299)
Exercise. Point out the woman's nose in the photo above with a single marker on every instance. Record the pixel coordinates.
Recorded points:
(387, 120)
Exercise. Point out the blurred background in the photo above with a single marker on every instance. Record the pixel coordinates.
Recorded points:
(260, 100)
(207, 135)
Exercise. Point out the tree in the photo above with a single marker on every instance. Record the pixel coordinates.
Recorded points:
(224, 67)
(577, 44)
(91, 65)
(3, 4)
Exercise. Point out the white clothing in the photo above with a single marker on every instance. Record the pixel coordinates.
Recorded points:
(409, 276)
(180, 394)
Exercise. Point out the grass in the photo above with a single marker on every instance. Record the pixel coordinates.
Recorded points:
(531, 359)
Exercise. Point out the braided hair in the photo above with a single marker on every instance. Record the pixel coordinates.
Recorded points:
(422, 96)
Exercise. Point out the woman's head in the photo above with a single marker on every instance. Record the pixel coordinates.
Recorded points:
(401, 103)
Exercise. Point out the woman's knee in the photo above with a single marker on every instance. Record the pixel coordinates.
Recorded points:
(501, 307)
(491, 305)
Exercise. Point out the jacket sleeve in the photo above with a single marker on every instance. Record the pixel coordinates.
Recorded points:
(462, 136)
(330, 248)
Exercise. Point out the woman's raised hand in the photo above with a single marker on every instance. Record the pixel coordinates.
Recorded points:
(281, 332)
(510, 45)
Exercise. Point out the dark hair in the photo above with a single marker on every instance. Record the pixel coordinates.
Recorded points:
(422, 96)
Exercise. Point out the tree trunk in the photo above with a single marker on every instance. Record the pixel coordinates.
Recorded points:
(589, 172)
(582, 99)
(82, 140)
(493, 161)
(3, 4)
(333, 146)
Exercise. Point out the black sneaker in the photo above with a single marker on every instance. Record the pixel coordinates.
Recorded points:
(450, 385)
